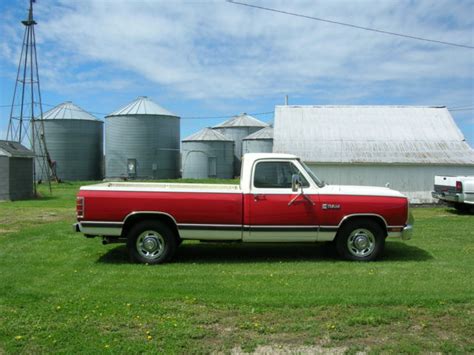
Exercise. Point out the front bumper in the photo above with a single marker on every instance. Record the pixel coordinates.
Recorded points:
(407, 232)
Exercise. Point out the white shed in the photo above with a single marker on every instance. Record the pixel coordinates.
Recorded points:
(405, 146)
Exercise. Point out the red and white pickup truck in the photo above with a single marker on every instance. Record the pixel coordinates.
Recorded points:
(279, 200)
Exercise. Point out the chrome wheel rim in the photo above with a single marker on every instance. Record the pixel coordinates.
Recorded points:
(361, 242)
(150, 245)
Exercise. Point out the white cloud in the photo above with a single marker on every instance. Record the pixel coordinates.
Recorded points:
(217, 50)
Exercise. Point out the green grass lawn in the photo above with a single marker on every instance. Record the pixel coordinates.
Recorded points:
(61, 292)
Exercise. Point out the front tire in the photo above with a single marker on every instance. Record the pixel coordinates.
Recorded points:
(360, 240)
(151, 242)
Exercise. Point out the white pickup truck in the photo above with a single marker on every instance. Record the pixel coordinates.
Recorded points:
(457, 191)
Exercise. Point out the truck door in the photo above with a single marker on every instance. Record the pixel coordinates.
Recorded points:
(274, 211)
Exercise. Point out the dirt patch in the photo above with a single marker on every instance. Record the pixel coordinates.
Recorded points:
(14, 220)
(293, 350)
(4, 231)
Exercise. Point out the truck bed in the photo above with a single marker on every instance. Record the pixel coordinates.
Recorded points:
(163, 187)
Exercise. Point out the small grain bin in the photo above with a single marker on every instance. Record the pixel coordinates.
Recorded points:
(258, 142)
(16, 171)
(74, 139)
(142, 142)
(208, 154)
(237, 128)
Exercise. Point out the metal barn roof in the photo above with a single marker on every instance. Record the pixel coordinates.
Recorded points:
(68, 111)
(142, 106)
(242, 120)
(207, 134)
(14, 150)
(264, 133)
(371, 134)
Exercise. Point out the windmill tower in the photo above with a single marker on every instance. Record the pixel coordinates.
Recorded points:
(26, 115)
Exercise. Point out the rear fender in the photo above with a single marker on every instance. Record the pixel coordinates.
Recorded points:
(138, 216)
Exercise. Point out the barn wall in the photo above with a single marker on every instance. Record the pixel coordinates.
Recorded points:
(414, 181)
(21, 178)
(4, 180)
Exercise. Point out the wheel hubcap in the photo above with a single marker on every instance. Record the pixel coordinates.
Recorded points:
(361, 242)
(150, 245)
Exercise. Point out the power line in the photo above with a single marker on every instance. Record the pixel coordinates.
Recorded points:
(463, 106)
(228, 116)
(184, 117)
(351, 25)
(468, 107)
(461, 109)
(73, 109)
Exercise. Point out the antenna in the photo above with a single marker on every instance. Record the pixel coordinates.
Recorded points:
(25, 125)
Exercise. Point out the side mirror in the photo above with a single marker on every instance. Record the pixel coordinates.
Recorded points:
(295, 182)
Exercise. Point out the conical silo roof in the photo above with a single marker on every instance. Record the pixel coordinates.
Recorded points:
(264, 133)
(207, 134)
(68, 111)
(242, 120)
(142, 106)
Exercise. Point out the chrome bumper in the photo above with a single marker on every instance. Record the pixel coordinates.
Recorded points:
(76, 227)
(407, 232)
(446, 196)
(93, 228)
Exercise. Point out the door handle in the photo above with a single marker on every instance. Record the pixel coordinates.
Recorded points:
(259, 197)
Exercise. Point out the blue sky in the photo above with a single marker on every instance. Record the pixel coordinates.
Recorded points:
(212, 58)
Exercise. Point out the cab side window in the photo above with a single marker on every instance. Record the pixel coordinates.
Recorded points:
(276, 175)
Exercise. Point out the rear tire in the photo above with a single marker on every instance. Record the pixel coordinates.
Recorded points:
(151, 242)
(360, 240)
(463, 207)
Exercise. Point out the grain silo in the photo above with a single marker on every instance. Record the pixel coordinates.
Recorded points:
(258, 142)
(74, 139)
(142, 142)
(208, 154)
(237, 128)
(16, 171)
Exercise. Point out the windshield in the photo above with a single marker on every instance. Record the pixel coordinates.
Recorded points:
(311, 174)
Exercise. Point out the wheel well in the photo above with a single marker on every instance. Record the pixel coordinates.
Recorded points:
(377, 219)
(140, 217)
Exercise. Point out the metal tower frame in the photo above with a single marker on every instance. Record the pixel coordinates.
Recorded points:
(25, 126)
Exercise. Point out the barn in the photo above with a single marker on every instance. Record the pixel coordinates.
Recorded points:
(16, 171)
(402, 146)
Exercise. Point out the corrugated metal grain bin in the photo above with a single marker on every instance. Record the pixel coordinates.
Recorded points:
(74, 139)
(142, 142)
(259, 142)
(16, 171)
(208, 154)
(237, 128)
